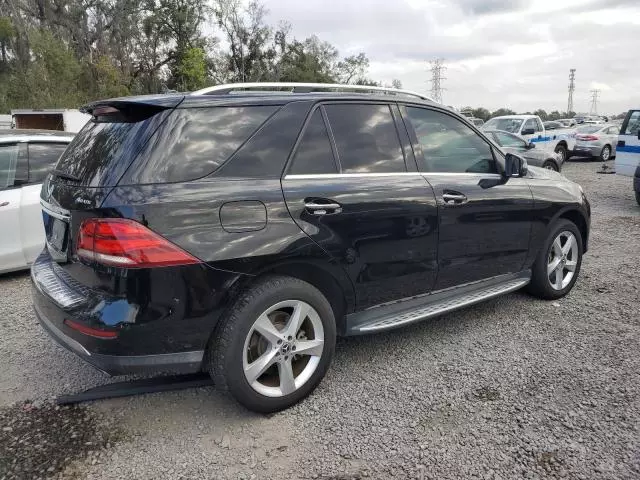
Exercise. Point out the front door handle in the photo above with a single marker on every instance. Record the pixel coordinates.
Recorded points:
(4, 204)
(323, 208)
(454, 198)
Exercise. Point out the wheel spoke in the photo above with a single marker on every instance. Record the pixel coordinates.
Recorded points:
(559, 276)
(300, 312)
(287, 381)
(569, 245)
(557, 247)
(259, 366)
(309, 347)
(553, 265)
(267, 329)
(571, 266)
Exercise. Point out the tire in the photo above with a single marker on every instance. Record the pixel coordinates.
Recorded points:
(541, 285)
(605, 154)
(236, 339)
(562, 150)
(637, 197)
(550, 165)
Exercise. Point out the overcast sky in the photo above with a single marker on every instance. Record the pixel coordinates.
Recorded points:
(498, 53)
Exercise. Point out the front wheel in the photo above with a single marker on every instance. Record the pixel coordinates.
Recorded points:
(557, 265)
(562, 151)
(550, 165)
(275, 344)
(605, 154)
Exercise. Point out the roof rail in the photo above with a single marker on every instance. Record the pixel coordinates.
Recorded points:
(304, 88)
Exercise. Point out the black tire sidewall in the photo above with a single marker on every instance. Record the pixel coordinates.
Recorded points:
(284, 288)
(562, 149)
(550, 162)
(540, 281)
(602, 152)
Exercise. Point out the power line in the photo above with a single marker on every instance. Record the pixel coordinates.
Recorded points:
(572, 87)
(594, 102)
(437, 67)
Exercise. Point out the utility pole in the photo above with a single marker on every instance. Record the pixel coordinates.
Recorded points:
(572, 87)
(594, 102)
(437, 67)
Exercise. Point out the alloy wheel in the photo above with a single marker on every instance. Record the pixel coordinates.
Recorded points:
(606, 153)
(562, 260)
(283, 348)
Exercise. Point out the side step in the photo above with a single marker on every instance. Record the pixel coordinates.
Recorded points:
(413, 310)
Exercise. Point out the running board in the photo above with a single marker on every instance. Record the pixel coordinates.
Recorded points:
(437, 303)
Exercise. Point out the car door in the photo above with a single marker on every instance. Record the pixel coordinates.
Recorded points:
(628, 149)
(348, 187)
(513, 144)
(42, 159)
(484, 219)
(11, 178)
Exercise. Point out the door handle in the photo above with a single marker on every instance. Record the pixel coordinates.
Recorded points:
(4, 204)
(454, 198)
(323, 208)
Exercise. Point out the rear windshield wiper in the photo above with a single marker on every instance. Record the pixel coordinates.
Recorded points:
(67, 176)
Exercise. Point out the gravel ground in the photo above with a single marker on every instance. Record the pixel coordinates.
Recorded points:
(512, 388)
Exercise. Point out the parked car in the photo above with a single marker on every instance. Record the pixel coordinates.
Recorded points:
(531, 128)
(551, 125)
(478, 122)
(26, 157)
(511, 143)
(238, 232)
(628, 150)
(596, 141)
(568, 122)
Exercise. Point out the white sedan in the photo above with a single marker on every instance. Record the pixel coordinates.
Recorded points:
(26, 157)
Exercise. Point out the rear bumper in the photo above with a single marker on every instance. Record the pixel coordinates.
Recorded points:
(587, 151)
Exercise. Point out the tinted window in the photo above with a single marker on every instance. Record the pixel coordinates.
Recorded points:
(314, 154)
(101, 152)
(42, 158)
(631, 124)
(8, 162)
(197, 141)
(506, 140)
(366, 138)
(530, 124)
(448, 145)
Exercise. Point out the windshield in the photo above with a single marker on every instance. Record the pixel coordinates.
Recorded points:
(588, 129)
(511, 125)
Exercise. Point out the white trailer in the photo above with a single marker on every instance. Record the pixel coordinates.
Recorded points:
(65, 120)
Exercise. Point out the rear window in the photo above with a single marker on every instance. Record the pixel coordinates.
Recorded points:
(195, 142)
(101, 152)
(588, 129)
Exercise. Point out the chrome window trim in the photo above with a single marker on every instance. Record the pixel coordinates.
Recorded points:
(54, 211)
(390, 174)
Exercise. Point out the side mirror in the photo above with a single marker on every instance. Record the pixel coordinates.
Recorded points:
(528, 131)
(514, 166)
(530, 145)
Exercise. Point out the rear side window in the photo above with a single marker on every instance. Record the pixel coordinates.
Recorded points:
(196, 141)
(366, 138)
(42, 158)
(8, 162)
(314, 154)
(631, 124)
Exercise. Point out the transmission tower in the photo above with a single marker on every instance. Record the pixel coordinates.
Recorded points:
(572, 87)
(594, 102)
(437, 67)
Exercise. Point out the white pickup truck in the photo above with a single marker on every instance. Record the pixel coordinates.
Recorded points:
(530, 127)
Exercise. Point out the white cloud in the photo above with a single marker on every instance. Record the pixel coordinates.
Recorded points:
(508, 53)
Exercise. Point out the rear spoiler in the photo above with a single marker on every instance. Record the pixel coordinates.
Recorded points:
(135, 106)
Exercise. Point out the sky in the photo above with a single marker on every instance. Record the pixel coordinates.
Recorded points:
(498, 53)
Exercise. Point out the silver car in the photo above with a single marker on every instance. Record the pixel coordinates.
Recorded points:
(599, 140)
(511, 143)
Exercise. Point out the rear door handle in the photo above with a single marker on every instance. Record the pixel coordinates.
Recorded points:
(323, 208)
(454, 198)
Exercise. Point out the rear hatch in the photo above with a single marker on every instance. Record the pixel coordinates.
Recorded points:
(94, 162)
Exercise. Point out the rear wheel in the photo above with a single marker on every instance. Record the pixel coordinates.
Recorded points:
(605, 154)
(562, 151)
(638, 197)
(550, 165)
(275, 345)
(557, 265)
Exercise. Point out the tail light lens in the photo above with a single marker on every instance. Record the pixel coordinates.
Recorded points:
(92, 332)
(126, 243)
(587, 138)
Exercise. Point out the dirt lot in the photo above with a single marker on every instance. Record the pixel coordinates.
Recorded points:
(513, 388)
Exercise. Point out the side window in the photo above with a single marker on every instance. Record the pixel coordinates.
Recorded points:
(42, 158)
(366, 138)
(314, 153)
(631, 123)
(506, 140)
(538, 127)
(448, 145)
(8, 163)
(530, 123)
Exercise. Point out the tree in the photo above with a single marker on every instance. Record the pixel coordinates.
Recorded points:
(502, 111)
(191, 72)
(395, 83)
(482, 113)
(542, 114)
(7, 32)
(352, 68)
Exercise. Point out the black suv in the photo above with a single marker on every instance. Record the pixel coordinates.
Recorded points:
(239, 232)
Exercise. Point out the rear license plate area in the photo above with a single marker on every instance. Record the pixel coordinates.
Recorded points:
(56, 231)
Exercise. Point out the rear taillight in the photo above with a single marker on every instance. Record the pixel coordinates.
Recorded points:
(587, 138)
(126, 243)
(92, 332)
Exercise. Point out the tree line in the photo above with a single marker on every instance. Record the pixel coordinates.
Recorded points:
(63, 53)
